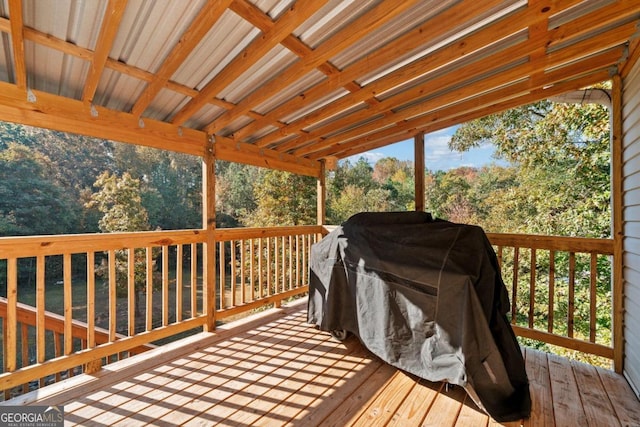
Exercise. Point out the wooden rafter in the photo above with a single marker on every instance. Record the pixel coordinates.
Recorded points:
(292, 19)
(452, 91)
(108, 31)
(402, 45)
(375, 18)
(17, 42)
(597, 62)
(208, 16)
(126, 69)
(316, 138)
(474, 108)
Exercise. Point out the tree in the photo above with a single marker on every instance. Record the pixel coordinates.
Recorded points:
(235, 192)
(120, 202)
(283, 198)
(170, 184)
(563, 159)
(31, 200)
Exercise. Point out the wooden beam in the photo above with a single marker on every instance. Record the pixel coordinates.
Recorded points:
(618, 223)
(17, 43)
(634, 55)
(366, 23)
(402, 46)
(419, 171)
(296, 15)
(208, 16)
(69, 115)
(108, 30)
(238, 152)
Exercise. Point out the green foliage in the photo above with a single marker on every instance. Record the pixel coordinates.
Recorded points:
(283, 199)
(32, 201)
(120, 202)
(388, 186)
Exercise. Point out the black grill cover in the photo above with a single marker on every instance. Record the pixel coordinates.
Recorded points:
(425, 296)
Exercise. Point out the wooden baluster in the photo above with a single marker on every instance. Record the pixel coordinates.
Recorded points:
(572, 291)
(165, 285)
(91, 300)
(532, 288)
(291, 264)
(194, 280)
(41, 345)
(243, 273)
(305, 258)
(252, 278)
(233, 273)
(269, 269)
(149, 287)
(283, 264)
(276, 265)
(297, 281)
(5, 351)
(131, 291)
(57, 349)
(112, 296)
(593, 299)
(11, 325)
(68, 305)
(552, 290)
(499, 256)
(24, 349)
(514, 288)
(223, 276)
(260, 277)
(179, 282)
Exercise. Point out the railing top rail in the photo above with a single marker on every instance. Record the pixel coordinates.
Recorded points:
(255, 233)
(556, 243)
(30, 246)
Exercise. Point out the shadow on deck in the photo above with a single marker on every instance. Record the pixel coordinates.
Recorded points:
(274, 369)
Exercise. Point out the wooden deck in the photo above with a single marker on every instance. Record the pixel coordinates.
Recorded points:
(274, 369)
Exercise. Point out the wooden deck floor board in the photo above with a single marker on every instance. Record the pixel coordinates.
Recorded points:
(281, 371)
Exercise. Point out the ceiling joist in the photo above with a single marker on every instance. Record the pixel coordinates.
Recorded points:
(17, 42)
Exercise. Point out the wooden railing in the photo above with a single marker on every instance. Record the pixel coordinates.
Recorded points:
(560, 289)
(75, 302)
(262, 266)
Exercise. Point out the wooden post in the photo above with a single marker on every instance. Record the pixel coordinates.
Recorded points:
(322, 194)
(616, 195)
(419, 171)
(209, 225)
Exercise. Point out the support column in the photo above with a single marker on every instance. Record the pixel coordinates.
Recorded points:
(419, 171)
(209, 226)
(616, 196)
(322, 195)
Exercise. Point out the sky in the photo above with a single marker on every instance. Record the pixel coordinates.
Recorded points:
(438, 156)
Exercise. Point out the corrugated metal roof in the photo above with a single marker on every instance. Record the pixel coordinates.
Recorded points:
(326, 69)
